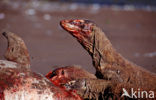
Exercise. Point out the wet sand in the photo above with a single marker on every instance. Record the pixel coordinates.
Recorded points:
(132, 33)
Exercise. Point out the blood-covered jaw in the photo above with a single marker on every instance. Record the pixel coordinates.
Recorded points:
(82, 30)
(63, 75)
(58, 77)
(78, 28)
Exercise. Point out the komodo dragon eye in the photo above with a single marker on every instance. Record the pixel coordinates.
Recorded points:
(82, 26)
(62, 72)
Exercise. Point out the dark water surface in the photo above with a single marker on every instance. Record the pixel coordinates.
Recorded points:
(117, 2)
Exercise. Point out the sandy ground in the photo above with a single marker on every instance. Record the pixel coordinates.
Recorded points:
(132, 33)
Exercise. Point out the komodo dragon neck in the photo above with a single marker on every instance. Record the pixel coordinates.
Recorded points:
(112, 66)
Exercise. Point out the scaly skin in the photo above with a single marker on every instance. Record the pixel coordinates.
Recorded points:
(98, 89)
(109, 64)
(76, 79)
(63, 75)
(18, 82)
(17, 50)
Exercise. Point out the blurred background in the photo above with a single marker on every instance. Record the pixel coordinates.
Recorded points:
(129, 24)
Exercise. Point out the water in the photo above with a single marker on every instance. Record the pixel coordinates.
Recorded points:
(117, 2)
